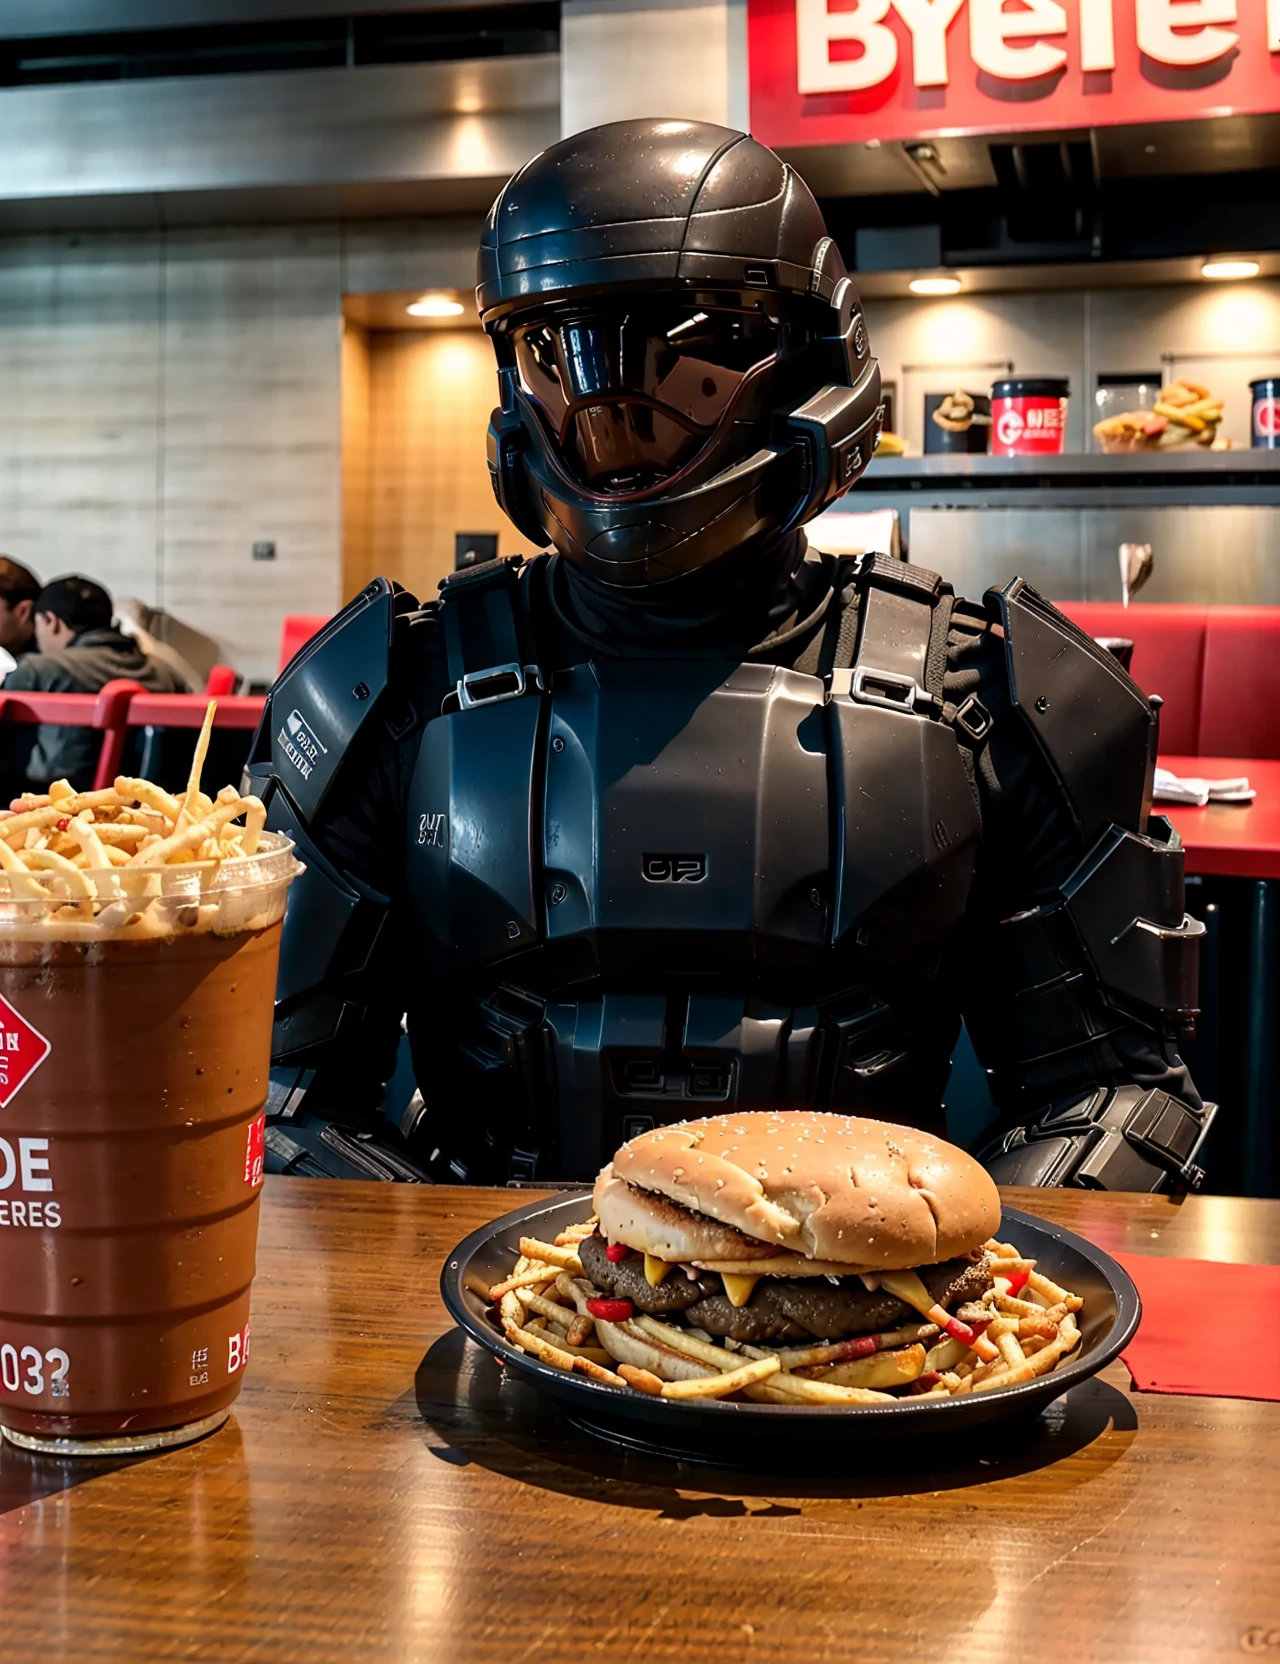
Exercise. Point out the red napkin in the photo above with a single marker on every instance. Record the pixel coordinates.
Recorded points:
(1208, 1327)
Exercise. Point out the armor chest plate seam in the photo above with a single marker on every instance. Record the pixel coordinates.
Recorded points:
(694, 814)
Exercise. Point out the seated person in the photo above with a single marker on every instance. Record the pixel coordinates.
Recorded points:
(19, 587)
(78, 650)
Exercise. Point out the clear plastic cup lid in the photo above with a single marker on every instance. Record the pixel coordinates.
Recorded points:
(246, 892)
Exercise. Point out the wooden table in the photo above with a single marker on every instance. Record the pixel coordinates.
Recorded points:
(1234, 840)
(385, 1493)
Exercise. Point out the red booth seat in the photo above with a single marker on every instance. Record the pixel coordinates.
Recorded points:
(299, 627)
(1216, 668)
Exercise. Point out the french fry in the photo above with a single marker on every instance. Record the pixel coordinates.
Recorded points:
(524, 1279)
(882, 1370)
(131, 791)
(1039, 1364)
(564, 1258)
(680, 1340)
(784, 1388)
(529, 1296)
(641, 1379)
(1049, 1290)
(713, 1386)
(1002, 1341)
(186, 814)
(1010, 1349)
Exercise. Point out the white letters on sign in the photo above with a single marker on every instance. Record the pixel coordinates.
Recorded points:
(1157, 20)
(1202, 36)
(991, 28)
(816, 28)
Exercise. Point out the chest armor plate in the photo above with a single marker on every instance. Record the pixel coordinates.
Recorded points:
(728, 824)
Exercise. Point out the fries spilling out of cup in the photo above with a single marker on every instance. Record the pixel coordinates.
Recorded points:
(131, 859)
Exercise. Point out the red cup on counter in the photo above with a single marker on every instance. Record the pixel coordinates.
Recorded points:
(1029, 416)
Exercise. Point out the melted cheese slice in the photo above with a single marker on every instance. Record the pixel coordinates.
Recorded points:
(654, 1270)
(739, 1289)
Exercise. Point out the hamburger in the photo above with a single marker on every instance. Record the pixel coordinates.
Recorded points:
(791, 1227)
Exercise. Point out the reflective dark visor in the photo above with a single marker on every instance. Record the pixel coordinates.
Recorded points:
(633, 392)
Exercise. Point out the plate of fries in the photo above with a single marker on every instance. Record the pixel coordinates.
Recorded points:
(1186, 413)
(133, 861)
(1060, 1310)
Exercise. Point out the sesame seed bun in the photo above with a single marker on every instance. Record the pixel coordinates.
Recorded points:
(835, 1189)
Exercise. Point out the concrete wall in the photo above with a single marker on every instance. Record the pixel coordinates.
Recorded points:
(169, 399)
(621, 59)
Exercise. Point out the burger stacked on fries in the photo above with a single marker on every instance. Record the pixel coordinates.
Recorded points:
(794, 1258)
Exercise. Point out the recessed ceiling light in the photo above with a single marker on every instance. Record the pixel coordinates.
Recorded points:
(1218, 267)
(935, 285)
(436, 306)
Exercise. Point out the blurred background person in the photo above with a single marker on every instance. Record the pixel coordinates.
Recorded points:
(78, 650)
(19, 588)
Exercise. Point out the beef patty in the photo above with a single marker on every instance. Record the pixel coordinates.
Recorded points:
(780, 1308)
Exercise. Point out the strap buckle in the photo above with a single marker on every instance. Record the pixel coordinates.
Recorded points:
(891, 688)
(492, 686)
(974, 720)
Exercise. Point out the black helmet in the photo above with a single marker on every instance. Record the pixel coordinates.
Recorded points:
(683, 365)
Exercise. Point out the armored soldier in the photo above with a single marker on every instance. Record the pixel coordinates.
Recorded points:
(685, 812)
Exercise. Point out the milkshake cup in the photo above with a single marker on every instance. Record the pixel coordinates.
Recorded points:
(135, 1037)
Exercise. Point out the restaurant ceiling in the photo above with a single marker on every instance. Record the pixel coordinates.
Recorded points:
(24, 19)
(380, 140)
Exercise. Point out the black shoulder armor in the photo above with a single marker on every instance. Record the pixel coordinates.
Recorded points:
(1091, 721)
(326, 695)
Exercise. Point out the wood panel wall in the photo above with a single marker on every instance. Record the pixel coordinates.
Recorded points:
(429, 398)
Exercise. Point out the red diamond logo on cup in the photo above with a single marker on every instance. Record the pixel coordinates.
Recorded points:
(22, 1050)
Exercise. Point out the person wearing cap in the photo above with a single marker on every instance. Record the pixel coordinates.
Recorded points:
(78, 650)
(19, 588)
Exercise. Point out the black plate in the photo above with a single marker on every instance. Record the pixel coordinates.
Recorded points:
(720, 1430)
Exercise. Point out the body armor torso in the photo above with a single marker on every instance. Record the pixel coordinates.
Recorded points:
(653, 887)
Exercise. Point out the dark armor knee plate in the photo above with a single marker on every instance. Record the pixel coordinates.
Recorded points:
(1118, 1138)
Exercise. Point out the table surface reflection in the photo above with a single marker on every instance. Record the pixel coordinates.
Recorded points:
(384, 1491)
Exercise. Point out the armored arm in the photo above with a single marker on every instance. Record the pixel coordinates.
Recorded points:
(323, 762)
(1083, 987)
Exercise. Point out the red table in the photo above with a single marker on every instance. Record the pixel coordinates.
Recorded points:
(1242, 841)
(1233, 840)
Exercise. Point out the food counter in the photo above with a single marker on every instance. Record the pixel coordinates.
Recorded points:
(385, 1492)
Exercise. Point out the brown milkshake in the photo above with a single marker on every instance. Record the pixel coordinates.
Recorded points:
(135, 1037)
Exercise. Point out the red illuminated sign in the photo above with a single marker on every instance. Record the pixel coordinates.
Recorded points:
(845, 71)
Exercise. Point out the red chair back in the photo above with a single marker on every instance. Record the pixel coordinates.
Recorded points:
(186, 710)
(221, 679)
(297, 632)
(107, 710)
(1169, 659)
(1240, 710)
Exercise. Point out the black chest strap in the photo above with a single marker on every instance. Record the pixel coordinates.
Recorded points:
(490, 653)
(885, 642)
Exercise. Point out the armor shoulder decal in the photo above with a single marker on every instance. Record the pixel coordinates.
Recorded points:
(1093, 724)
(326, 695)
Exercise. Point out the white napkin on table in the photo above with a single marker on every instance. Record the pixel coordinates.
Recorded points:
(1170, 789)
